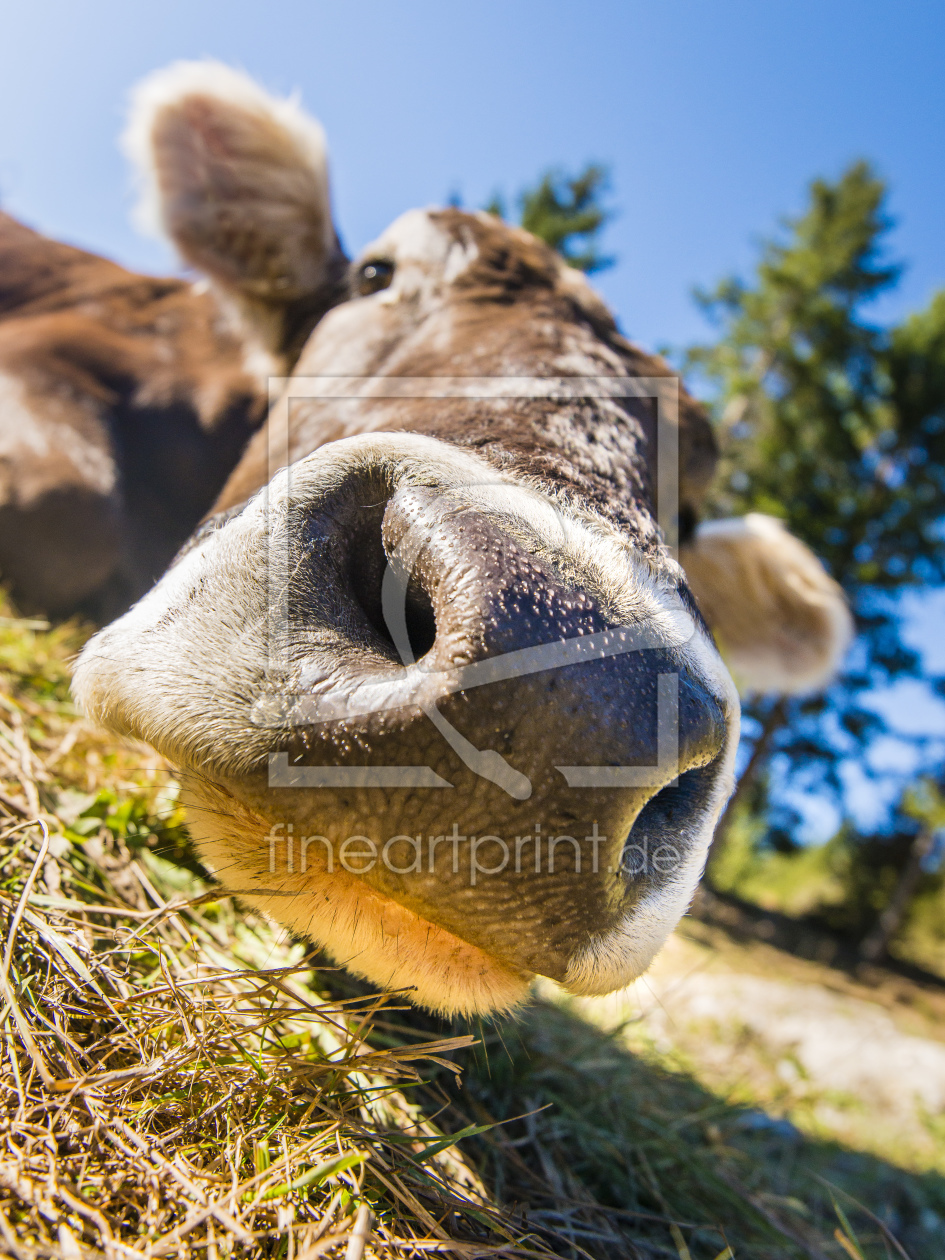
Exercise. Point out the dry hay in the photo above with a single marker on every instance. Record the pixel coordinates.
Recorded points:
(161, 1098)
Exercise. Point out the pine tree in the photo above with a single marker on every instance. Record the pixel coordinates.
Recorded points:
(837, 426)
(567, 212)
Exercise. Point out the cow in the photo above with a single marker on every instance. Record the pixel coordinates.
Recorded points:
(441, 697)
(126, 400)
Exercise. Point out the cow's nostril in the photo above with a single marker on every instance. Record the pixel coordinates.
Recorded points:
(421, 621)
(367, 564)
(668, 818)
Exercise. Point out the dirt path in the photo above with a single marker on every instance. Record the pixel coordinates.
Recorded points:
(795, 1040)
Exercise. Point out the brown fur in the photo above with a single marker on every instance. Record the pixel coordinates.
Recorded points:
(516, 306)
(126, 402)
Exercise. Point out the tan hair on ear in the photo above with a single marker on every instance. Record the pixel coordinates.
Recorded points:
(781, 622)
(239, 182)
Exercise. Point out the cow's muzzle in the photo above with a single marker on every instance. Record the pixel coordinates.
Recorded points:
(478, 733)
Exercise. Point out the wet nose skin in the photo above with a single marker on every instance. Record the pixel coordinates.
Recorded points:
(519, 857)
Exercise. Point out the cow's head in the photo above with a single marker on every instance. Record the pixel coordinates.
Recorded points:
(440, 696)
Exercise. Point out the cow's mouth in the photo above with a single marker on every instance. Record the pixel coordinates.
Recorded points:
(360, 927)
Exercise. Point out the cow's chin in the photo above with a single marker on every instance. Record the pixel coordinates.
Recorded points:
(366, 932)
(393, 947)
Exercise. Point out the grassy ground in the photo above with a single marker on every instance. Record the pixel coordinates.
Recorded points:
(177, 1077)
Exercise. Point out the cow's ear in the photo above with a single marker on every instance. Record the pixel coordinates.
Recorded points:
(781, 622)
(239, 182)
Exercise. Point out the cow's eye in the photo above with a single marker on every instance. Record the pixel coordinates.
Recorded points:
(374, 275)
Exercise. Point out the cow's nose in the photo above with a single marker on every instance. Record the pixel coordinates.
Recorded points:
(536, 758)
(476, 599)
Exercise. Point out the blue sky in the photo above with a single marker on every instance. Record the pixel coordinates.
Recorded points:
(712, 116)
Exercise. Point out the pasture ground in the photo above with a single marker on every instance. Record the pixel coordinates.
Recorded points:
(178, 1077)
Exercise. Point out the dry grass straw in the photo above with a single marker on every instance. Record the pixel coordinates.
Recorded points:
(160, 1098)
